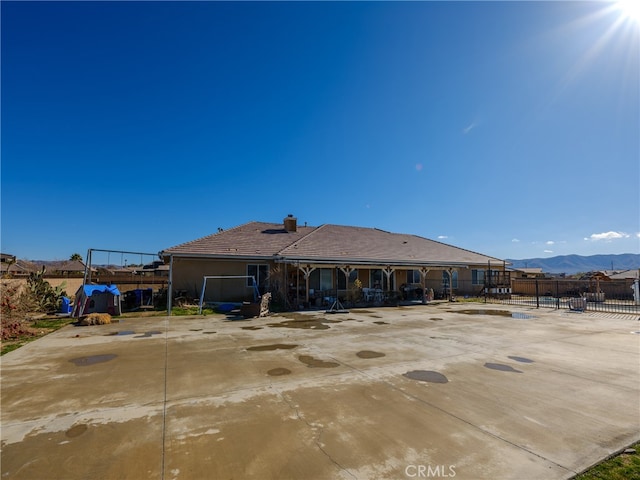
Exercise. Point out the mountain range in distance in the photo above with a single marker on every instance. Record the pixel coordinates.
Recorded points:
(571, 264)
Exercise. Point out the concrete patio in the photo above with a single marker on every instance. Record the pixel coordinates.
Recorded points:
(460, 390)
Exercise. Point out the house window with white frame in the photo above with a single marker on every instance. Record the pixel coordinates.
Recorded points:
(260, 272)
(321, 279)
(413, 276)
(342, 283)
(477, 277)
(445, 279)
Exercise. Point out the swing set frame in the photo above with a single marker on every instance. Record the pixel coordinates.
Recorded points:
(256, 292)
(87, 266)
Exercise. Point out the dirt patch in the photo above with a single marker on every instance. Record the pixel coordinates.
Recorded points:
(313, 323)
(296, 316)
(501, 367)
(76, 430)
(277, 372)
(369, 354)
(275, 346)
(520, 359)
(149, 334)
(426, 376)
(92, 360)
(312, 362)
(120, 333)
(500, 313)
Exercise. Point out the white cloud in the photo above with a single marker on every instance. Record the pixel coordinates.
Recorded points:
(550, 242)
(470, 127)
(607, 236)
(515, 240)
(547, 251)
(442, 237)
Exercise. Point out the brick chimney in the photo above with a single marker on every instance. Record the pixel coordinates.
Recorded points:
(291, 223)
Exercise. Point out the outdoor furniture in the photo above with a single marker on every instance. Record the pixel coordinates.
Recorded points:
(578, 304)
(368, 294)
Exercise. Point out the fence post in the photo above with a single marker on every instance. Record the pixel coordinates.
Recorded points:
(537, 295)
(557, 295)
(485, 289)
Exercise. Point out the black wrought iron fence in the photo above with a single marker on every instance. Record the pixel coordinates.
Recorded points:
(590, 295)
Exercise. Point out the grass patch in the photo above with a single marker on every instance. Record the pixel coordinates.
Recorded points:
(52, 323)
(10, 347)
(34, 330)
(625, 466)
(179, 311)
(470, 300)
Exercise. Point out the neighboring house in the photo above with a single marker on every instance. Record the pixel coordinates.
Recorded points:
(10, 265)
(7, 258)
(69, 267)
(157, 268)
(623, 275)
(527, 273)
(308, 264)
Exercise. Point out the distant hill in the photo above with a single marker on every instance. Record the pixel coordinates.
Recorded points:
(571, 264)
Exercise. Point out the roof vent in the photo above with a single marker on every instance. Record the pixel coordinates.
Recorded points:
(291, 223)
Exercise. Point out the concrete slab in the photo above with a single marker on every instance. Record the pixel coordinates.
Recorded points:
(469, 391)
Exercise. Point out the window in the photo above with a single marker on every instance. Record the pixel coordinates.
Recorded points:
(321, 279)
(378, 279)
(413, 276)
(341, 279)
(260, 273)
(477, 277)
(445, 278)
(326, 279)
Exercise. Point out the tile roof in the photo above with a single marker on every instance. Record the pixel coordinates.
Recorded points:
(329, 243)
(254, 239)
(371, 245)
(20, 266)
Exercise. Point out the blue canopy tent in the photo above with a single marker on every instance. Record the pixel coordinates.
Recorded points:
(97, 299)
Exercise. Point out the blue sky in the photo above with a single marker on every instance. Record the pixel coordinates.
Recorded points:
(507, 128)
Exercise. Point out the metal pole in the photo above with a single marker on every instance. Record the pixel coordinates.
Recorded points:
(537, 295)
(170, 286)
(86, 269)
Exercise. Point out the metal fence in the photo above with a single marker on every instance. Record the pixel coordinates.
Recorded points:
(591, 295)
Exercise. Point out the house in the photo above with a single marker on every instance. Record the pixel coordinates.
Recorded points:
(623, 275)
(307, 265)
(10, 265)
(527, 273)
(70, 267)
(7, 258)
